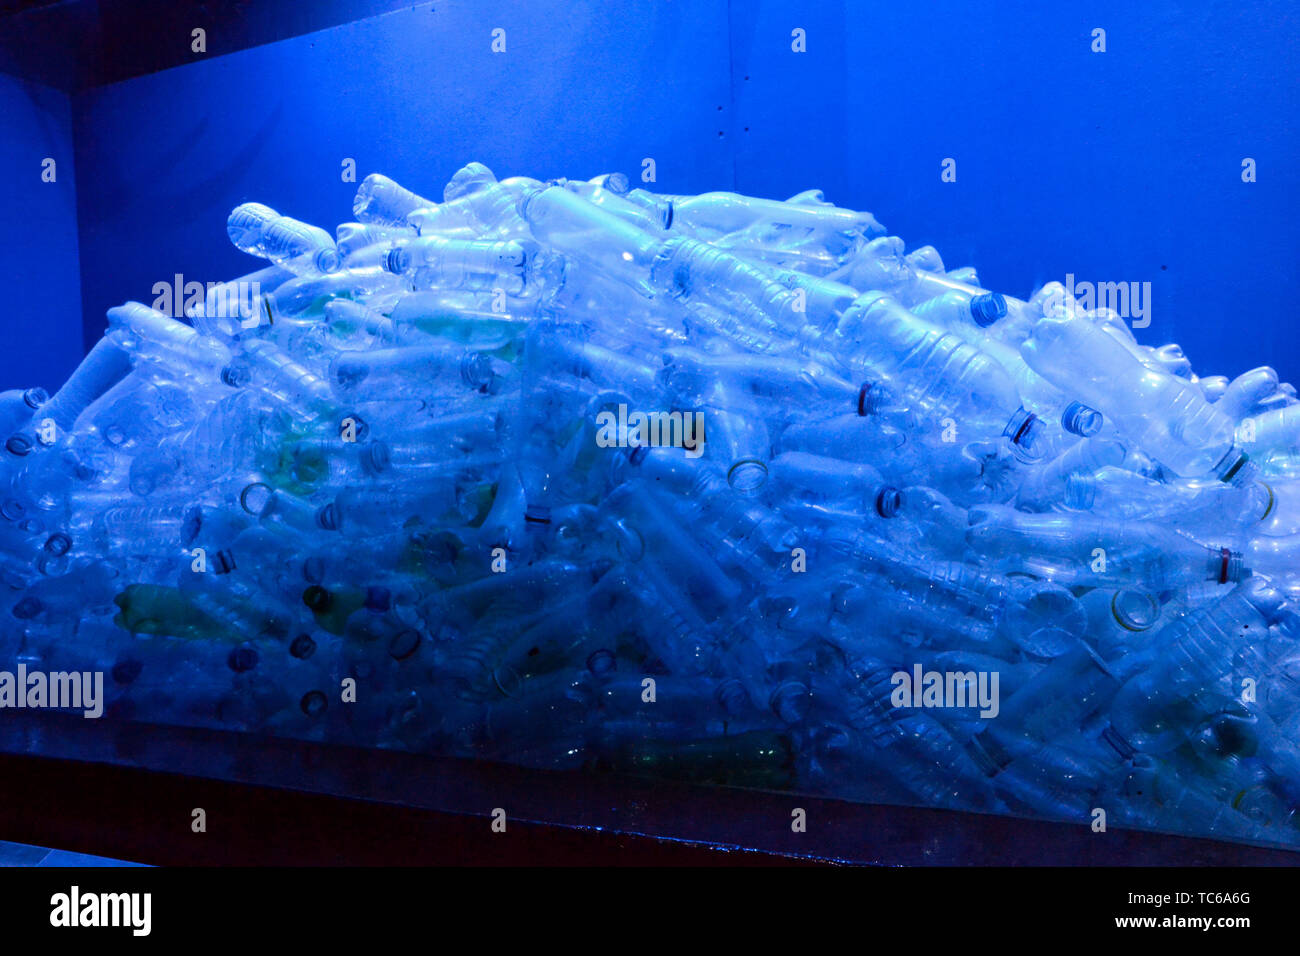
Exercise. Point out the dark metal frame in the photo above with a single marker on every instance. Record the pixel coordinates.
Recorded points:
(127, 790)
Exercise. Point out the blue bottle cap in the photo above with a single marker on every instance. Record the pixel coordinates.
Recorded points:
(888, 501)
(1082, 420)
(602, 661)
(377, 458)
(19, 445)
(327, 517)
(317, 598)
(236, 376)
(302, 647)
(987, 307)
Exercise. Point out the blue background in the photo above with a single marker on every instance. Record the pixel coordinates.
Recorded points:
(40, 320)
(1115, 166)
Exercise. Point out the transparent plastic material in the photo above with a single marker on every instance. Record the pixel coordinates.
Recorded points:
(717, 488)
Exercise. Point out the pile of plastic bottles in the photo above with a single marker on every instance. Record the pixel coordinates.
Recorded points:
(714, 488)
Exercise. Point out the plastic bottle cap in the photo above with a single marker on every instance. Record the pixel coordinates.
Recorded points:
(476, 370)
(377, 457)
(888, 501)
(397, 261)
(987, 307)
(327, 261)
(601, 661)
(1082, 420)
(1024, 431)
(359, 427)
(1272, 500)
(257, 499)
(317, 598)
(1234, 467)
(327, 517)
(302, 647)
(1134, 611)
(789, 701)
(1227, 566)
(868, 399)
(236, 376)
(747, 476)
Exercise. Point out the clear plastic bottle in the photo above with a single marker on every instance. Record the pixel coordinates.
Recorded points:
(273, 373)
(435, 262)
(1056, 703)
(380, 201)
(719, 213)
(690, 373)
(1210, 506)
(149, 336)
(466, 317)
(261, 231)
(1057, 484)
(353, 239)
(1243, 394)
(228, 307)
(309, 295)
(1079, 549)
(594, 236)
(1157, 708)
(728, 296)
(655, 220)
(426, 370)
(104, 367)
(918, 752)
(936, 370)
(1121, 622)
(1162, 415)
(52, 601)
(1275, 429)
(833, 481)
(17, 406)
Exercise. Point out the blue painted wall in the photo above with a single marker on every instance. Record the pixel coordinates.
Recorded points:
(1115, 166)
(39, 271)
(1118, 166)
